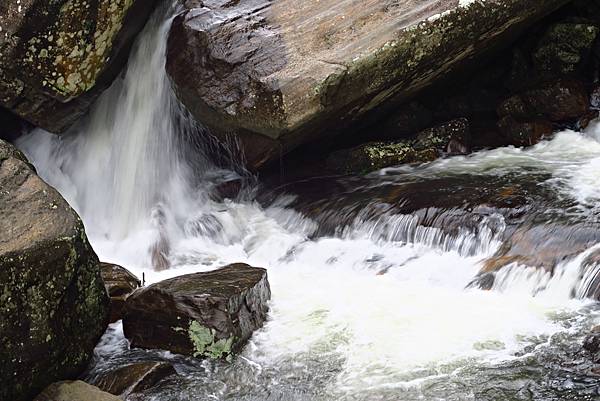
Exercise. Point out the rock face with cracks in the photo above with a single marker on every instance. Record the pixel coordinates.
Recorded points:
(53, 304)
(206, 315)
(278, 74)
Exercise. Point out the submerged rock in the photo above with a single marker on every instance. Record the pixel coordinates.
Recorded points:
(209, 314)
(119, 283)
(452, 137)
(278, 74)
(57, 56)
(54, 306)
(74, 391)
(134, 378)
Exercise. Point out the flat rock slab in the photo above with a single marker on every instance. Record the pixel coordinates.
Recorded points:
(277, 74)
(74, 391)
(134, 378)
(209, 314)
(54, 306)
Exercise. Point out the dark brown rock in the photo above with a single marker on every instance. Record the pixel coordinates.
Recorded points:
(560, 100)
(544, 245)
(524, 133)
(592, 342)
(279, 74)
(54, 304)
(74, 391)
(209, 314)
(119, 283)
(57, 56)
(134, 378)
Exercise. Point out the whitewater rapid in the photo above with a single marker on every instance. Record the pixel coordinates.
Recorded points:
(357, 315)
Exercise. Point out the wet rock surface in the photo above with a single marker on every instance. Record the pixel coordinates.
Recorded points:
(54, 305)
(56, 57)
(560, 100)
(134, 378)
(74, 391)
(279, 74)
(120, 283)
(451, 138)
(544, 245)
(209, 315)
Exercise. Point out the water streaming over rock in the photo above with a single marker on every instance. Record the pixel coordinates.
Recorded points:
(370, 284)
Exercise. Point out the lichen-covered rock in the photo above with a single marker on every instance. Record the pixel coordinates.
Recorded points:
(56, 56)
(564, 48)
(134, 378)
(278, 74)
(53, 305)
(74, 391)
(209, 314)
(452, 137)
(119, 283)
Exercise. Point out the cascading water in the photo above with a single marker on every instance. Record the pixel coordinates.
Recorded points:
(375, 310)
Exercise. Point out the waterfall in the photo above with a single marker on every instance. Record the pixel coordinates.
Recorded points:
(372, 309)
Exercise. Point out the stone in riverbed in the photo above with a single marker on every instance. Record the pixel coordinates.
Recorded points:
(134, 378)
(452, 137)
(526, 133)
(591, 343)
(278, 74)
(53, 304)
(74, 391)
(542, 246)
(209, 314)
(559, 100)
(119, 283)
(57, 56)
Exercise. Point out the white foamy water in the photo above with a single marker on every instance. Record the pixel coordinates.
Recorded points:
(361, 312)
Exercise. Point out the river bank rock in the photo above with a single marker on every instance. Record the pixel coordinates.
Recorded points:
(280, 74)
(450, 138)
(54, 304)
(74, 391)
(134, 378)
(56, 57)
(209, 314)
(119, 283)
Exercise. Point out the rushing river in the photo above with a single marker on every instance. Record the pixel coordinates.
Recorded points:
(369, 302)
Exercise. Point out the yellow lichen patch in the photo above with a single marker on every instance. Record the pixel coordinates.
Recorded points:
(73, 52)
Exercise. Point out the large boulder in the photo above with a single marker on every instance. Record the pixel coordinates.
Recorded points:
(57, 56)
(54, 306)
(277, 74)
(209, 314)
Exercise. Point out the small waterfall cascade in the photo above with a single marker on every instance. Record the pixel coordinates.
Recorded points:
(377, 307)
